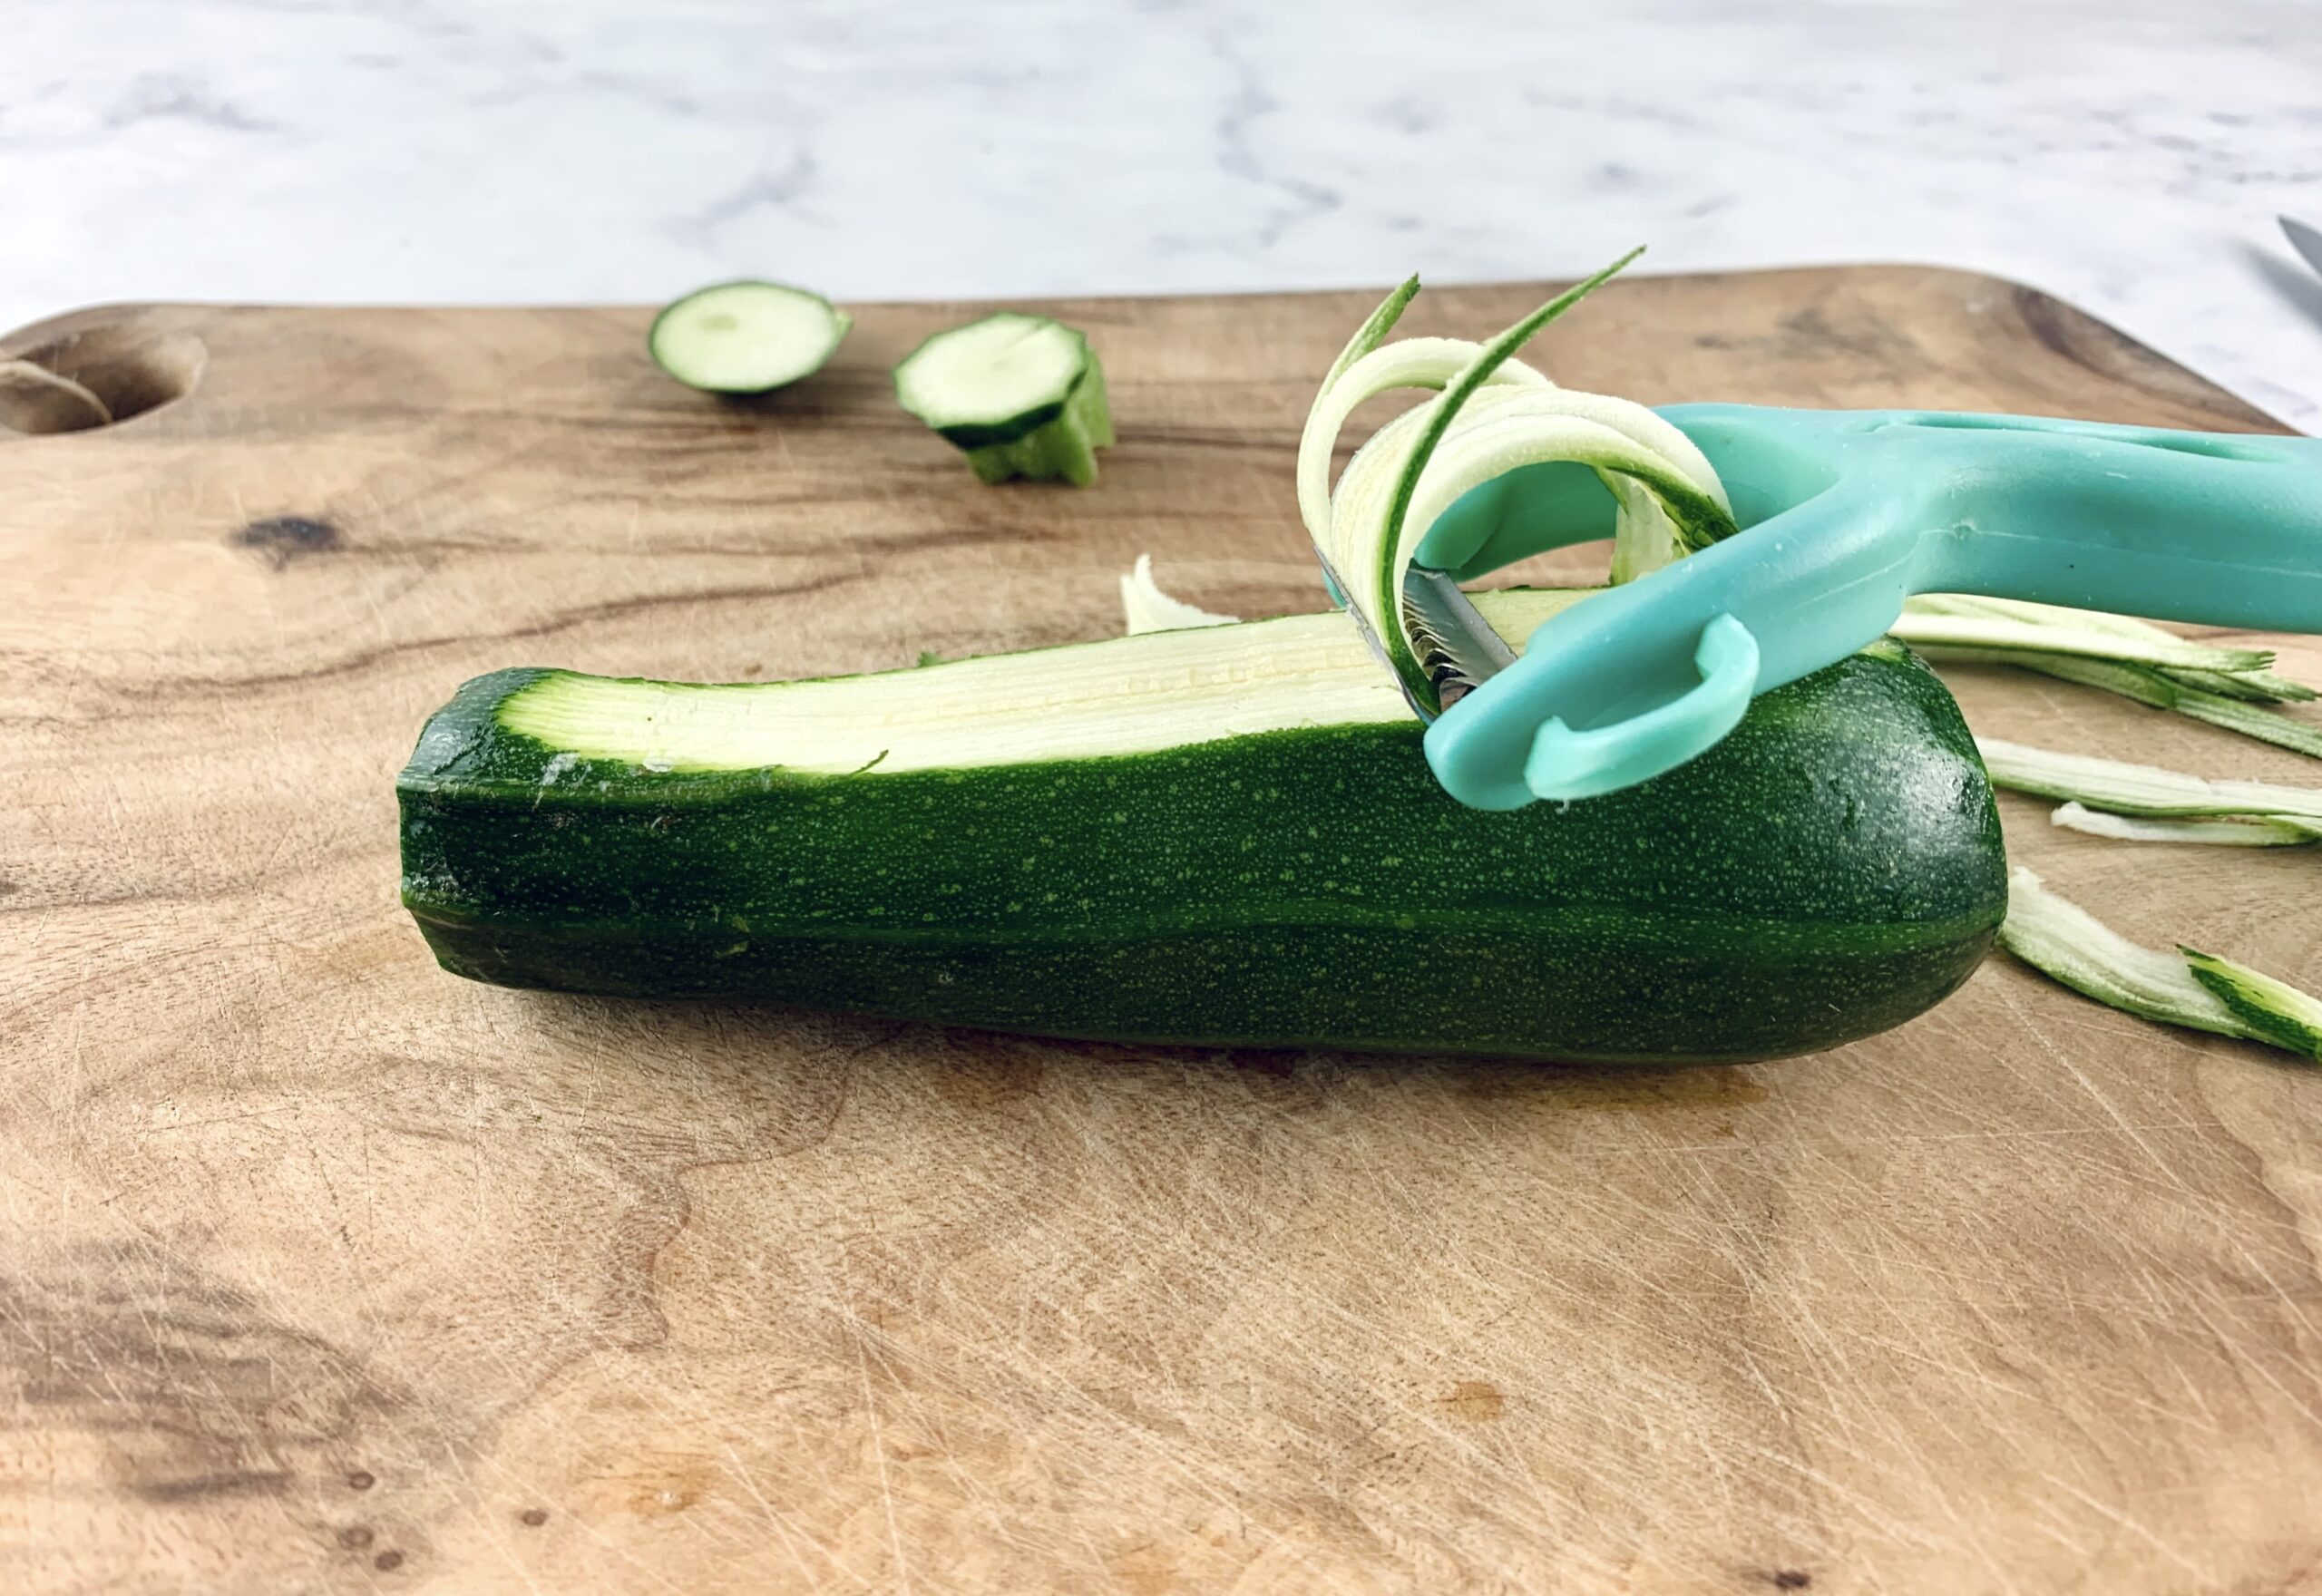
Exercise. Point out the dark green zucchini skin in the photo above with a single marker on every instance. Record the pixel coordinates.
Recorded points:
(1830, 870)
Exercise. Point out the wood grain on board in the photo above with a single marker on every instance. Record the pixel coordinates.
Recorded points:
(321, 1270)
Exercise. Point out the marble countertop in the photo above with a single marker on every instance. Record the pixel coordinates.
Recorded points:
(2129, 156)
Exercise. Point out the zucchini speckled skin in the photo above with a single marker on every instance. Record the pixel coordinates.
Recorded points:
(1830, 870)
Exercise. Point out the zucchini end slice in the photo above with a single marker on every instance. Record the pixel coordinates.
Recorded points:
(746, 337)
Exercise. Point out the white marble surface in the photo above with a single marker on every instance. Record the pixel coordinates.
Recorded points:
(2129, 155)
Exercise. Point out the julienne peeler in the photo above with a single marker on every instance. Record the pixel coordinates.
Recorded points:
(1844, 514)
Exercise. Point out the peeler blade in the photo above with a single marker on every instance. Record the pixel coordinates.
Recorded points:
(1457, 647)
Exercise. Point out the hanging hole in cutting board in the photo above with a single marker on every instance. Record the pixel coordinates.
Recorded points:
(95, 377)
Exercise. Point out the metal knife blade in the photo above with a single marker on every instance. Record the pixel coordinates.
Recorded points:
(2304, 239)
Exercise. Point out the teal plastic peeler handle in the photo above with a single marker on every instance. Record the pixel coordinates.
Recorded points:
(1845, 515)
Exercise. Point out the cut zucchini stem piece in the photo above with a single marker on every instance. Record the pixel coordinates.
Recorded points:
(746, 337)
(2196, 990)
(1022, 395)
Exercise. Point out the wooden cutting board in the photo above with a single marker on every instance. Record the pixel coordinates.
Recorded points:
(323, 1270)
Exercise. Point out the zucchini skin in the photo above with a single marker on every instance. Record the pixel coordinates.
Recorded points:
(1830, 870)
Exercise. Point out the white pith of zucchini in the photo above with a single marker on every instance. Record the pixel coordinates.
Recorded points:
(746, 337)
(1123, 695)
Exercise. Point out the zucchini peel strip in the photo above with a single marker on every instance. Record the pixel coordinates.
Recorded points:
(1491, 414)
(2190, 988)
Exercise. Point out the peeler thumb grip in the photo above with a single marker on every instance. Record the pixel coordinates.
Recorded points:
(1565, 763)
(1639, 678)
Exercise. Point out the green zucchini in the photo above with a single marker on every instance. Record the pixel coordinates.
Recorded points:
(1022, 396)
(746, 337)
(1223, 835)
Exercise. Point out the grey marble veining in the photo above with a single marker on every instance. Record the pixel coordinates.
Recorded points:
(2129, 156)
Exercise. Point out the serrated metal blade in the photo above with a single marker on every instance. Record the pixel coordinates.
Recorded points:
(1456, 646)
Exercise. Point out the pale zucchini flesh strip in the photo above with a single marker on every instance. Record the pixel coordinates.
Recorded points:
(2226, 687)
(2196, 990)
(2227, 833)
(2066, 943)
(1493, 414)
(2157, 689)
(1145, 607)
(2048, 624)
(2144, 804)
(1997, 633)
(2145, 791)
